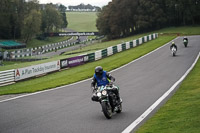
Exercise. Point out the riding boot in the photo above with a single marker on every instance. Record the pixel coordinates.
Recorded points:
(116, 91)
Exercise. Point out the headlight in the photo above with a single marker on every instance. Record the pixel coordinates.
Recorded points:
(99, 94)
(104, 92)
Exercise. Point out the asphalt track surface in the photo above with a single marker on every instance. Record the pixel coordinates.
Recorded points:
(69, 109)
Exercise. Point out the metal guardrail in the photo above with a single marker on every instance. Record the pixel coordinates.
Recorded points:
(7, 77)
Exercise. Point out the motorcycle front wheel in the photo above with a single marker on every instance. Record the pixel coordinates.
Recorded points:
(107, 109)
(185, 44)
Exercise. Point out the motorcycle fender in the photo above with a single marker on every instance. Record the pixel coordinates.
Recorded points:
(104, 100)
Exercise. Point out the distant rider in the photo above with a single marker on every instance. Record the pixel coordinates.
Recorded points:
(185, 38)
(100, 78)
(173, 45)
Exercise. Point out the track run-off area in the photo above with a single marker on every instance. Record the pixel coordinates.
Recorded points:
(69, 109)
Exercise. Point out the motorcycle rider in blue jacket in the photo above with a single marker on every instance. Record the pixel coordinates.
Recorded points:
(101, 78)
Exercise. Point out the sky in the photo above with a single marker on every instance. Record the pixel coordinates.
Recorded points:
(99, 3)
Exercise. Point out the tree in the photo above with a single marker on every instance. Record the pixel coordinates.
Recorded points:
(32, 24)
(149, 15)
(5, 14)
(102, 21)
(62, 10)
(51, 19)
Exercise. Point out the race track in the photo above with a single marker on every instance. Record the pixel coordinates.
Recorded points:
(69, 109)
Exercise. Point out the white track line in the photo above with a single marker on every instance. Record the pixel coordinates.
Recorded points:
(152, 107)
(17, 97)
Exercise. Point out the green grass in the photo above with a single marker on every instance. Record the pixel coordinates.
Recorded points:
(49, 40)
(82, 21)
(84, 71)
(181, 113)
(183, 30)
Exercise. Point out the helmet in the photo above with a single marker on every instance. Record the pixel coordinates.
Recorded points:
(98, 71)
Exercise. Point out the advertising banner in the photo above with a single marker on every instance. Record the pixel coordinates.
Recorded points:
(63, 63)
(75, 61)
(27, 72)
(71, 34)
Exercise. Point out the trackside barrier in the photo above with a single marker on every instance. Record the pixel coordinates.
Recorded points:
(98, 55)
(114, 49)
(43, 49)
(36, 70)
(38, 50)
(73, 61)
(110, 51)
(91, 57)
(104, 53)
(128, 45)
(7, 76)
(32, 71)
(120, 47)
(123, 47)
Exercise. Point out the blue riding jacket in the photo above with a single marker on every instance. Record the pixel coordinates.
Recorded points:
(103, 80)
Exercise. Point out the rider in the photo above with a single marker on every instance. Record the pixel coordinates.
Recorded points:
(173, 45)
(185, 38)
(101, 78)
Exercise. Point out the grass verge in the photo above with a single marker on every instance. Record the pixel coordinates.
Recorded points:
(82, 21)
(85, 71)
(37, 43)
(181, 113)
(183, 30)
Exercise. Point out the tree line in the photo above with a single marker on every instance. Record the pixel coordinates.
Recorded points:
(84, 7)
(24, 20)
(126, 17)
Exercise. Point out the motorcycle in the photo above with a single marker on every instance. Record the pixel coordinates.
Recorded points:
(173, 50)
(185, 42)
(108, 101)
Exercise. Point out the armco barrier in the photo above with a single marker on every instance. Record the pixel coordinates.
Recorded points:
(7, 76)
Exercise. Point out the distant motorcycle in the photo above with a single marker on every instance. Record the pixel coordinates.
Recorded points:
(185, 42)
(108, 101)
(173, 50)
